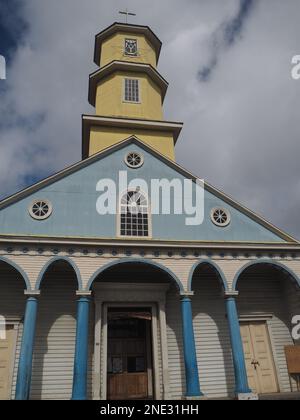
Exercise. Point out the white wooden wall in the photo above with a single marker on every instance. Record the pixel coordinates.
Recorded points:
(12, 306)
(264, 293)
(260, 293)
(52, 372)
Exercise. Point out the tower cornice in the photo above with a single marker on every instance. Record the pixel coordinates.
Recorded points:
(89, 121)
(126, 28)
(125, 66)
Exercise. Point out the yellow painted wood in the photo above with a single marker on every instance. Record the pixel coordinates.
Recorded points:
(113, 49)
(101, 138)
(259, 359)
(6, 361)
(110, 98)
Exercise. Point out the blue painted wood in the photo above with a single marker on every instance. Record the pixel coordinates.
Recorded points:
(240, 371)
(26, 354)
(81, 350)
(189, 349)
(74, 200)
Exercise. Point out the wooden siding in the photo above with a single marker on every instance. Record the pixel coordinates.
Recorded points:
(212, 336)
(175, 345)
(292, 296)
(53, 361)
(263, 292)
(260, 294)
(12, 306)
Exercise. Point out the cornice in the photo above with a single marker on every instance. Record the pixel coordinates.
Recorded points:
(118, 27)
(125, 66)
(89, 121)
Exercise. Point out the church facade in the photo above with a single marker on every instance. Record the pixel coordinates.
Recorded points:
(132, 303)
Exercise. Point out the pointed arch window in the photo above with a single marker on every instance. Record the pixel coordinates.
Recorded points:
(134, 214)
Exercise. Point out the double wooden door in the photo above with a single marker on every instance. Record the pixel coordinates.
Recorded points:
(259, 359)
(128, 360)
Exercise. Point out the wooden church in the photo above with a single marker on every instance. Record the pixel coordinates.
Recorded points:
(134, 304)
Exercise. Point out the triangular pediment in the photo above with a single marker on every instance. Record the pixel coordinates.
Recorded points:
(73, 195)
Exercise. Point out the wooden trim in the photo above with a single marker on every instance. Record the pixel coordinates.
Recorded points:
(16, 326)
(161, 243)
(164, 345)
(130, 295)
(275, 357)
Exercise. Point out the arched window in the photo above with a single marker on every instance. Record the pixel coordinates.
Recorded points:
(134, 214)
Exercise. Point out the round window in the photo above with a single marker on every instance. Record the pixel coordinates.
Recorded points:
(40, 209)
(220, 217)
(134, 160)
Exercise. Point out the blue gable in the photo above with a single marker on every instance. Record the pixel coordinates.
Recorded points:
(74, 198)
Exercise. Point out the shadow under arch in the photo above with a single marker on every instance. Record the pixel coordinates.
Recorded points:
(19, 269)
(214, 267)
(211, 329)
(135, 261)
(55, 331)
(53, 261)
(275, 264)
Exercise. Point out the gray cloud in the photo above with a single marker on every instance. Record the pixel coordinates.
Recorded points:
(241, 125)
(225, 36)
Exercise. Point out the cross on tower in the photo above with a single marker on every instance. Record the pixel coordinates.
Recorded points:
(127, 13)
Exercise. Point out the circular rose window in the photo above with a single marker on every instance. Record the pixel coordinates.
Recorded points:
(40, 209)
(220, 217)
(134, 160)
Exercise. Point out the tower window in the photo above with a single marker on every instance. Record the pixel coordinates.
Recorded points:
(134, 214)
(132, 91)
(131, 47)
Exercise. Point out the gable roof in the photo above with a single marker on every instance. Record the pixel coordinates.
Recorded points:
(133, 139)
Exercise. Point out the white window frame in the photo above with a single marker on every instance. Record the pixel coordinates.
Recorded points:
(137, 47)
(148, 214)
(139, 88)
(39, 218)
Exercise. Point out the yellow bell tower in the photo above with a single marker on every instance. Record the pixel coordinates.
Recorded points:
(127, 92)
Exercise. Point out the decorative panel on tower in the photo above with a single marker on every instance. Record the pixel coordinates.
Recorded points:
(128, 92)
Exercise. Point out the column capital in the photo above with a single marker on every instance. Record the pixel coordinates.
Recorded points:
(83, 293)
(186, 294)
(32, 293)
(231, 294)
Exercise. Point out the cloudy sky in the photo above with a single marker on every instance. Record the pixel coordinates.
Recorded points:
(229, 67)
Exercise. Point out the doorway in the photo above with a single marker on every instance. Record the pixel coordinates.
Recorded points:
(129, 354)
(7, 354)
(259, 357)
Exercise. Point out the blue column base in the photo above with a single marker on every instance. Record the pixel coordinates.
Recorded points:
(190, 357)
(26, 353)
(240, 371)
(79, 391)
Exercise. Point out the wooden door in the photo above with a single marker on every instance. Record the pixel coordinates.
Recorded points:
(6, 362)
(127, 366)
(259, 359)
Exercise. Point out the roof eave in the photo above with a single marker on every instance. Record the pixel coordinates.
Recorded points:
(122, 27)
(88, 121)
(114, 66)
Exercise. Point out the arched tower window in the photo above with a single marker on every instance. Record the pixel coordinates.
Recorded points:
(134, 214)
